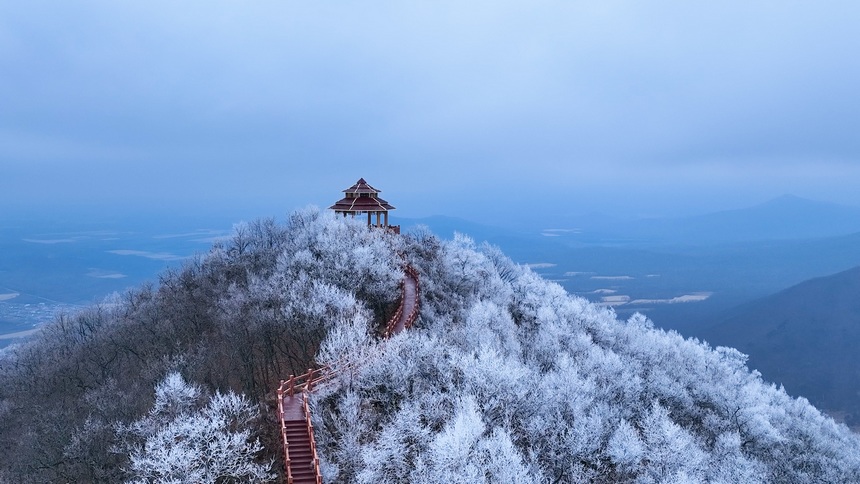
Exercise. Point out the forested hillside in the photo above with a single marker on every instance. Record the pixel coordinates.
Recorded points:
(505, 377)
(806, 338)
(97, 396)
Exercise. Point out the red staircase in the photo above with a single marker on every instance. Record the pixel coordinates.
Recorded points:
(407, 311)
(302, 466)
(301, 461)
(297, 434)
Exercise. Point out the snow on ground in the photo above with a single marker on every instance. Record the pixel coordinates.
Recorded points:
(614, 300)
(100, 274)
(686, 298)
(541, 265)
(148, 255)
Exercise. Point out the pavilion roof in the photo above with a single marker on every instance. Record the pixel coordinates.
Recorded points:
(361, 197)
(361, 186)
(362, 204)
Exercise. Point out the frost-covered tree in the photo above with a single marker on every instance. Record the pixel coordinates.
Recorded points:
(182, 439)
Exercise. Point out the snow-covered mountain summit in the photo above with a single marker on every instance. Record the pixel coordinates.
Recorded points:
(504, 378)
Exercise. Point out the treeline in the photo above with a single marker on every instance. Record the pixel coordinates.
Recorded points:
(234, 321)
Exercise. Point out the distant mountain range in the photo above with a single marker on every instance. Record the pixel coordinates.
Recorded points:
(736, 255)
(786, 217)
(805, 337)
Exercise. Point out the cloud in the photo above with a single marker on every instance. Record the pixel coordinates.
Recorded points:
(8, 296)
(118, 102)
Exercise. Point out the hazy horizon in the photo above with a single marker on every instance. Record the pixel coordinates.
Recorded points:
(202, 216)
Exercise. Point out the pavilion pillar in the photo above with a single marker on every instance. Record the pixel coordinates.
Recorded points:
(368, 218)
(386, 219)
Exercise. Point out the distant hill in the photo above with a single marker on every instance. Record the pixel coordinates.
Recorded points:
(784, 218)
(806, 338)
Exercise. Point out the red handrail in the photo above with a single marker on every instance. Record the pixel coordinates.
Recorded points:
(284, 432)
(310, 427)
(305, 382)
(412, 274)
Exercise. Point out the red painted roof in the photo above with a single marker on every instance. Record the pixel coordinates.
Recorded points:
(362, 204)
(355, 202)
(361, 186)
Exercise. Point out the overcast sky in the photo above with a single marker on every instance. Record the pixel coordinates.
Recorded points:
(485, 109)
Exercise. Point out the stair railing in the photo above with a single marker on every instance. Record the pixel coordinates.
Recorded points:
(284, 433)
(412, 273)
(305, 382)
(310, 427)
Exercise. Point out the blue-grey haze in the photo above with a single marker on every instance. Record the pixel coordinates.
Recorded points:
(495, 111)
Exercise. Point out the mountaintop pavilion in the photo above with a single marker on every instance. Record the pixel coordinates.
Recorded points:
(363, 198)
